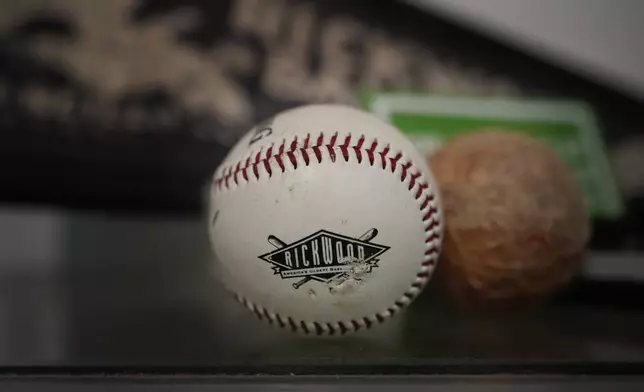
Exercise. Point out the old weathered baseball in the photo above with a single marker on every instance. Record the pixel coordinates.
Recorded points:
(516, 222)
(324, 220)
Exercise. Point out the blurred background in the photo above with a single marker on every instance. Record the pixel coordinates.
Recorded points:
(114, 115)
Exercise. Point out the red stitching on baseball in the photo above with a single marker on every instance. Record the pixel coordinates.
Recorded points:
(432, 237)
(421, 188)
(425, 203)
(331, 152)
(358, 148)
(344, 148)
(294, 144)
(383, 156)
(244, 170)
(405, 168)
(318, 153)
(268, 169)
(291, 322)
(347, 142)
(430, 262)
(432, 225)
(370, 152)
(432, 211)
(291, 157)
(236, 172)
(333, 139)
(306, 141)
(278, 158)
(394, 161)
(412, 182)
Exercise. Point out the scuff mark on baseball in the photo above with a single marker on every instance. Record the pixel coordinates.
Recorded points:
(352, 279)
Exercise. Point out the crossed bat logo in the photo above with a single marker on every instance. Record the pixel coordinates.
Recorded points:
(323, 256)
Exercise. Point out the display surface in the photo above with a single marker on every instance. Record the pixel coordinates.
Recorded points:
(139, 292)
(315, 384)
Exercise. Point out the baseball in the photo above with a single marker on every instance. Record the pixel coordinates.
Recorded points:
(516, 224)
(324, 220)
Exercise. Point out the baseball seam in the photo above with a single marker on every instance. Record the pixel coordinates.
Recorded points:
(291, 155)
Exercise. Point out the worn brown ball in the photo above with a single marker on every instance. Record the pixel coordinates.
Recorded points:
(516, 224)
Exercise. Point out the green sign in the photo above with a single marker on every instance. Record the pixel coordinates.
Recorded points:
(569, 127)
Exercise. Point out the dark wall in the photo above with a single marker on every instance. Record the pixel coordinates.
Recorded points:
(131, 105)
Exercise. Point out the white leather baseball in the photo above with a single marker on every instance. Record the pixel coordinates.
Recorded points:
(324, 220)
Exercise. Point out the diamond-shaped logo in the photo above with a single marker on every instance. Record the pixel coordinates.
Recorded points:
(324, 256)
